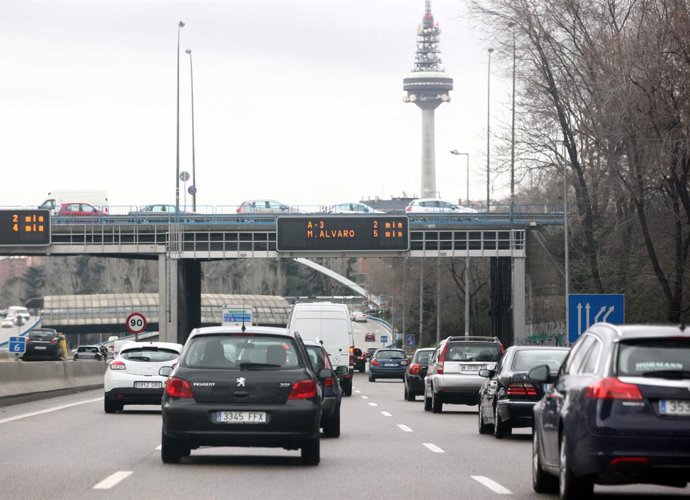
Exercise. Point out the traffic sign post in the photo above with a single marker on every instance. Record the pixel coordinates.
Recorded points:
(586, 309)
(136, 323)
(410, 340)
(17, 345)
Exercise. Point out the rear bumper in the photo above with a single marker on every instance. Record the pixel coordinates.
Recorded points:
(415, 384)
(385, 372)
(458, 389)
(516, 413)
(129, 395)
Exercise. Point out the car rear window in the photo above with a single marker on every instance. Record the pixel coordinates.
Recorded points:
(242, 351)
(41, 335)
(150, 354)
(390, 354)
(316, 357)
(87, 349)
(525, 360)
(654, 357)
(475, 351)
(422, 357)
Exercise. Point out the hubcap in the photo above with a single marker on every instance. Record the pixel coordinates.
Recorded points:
(562, 468)
(535, 457)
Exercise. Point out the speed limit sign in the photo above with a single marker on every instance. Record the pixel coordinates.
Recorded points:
(136, 323)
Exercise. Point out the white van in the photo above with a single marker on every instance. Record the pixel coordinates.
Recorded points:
(18, 311)
(98, 199)
(329, 324)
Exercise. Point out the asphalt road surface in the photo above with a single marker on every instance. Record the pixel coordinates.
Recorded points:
(67, 447)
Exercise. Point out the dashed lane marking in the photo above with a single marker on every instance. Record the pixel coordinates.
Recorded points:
(48, 410)
(433, 447)
(492, 485)
(386, 414)
(159, 447)
(373, 404)
(365, 397)
(407, 429)
(358, 392)
(112, 480)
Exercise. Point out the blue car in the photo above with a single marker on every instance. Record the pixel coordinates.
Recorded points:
(617, 412)
(330, 387)
(387, 363)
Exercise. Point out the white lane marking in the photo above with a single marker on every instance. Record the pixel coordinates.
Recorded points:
(406, 428)
(48, 410)
(492, 485)
(373, 404)
(159, 447)
(112, 480)
(365, 397)
(433, 447)
(386, 414)
(358, 392)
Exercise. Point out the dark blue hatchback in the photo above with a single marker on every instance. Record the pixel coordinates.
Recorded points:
(387, 363)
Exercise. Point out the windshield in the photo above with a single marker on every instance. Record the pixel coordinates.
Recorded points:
(525, 360)
(242, 351)
(390, 355)
(422, 357)
(654, 357)
(466, 351)
(41, 335)
(149, 353)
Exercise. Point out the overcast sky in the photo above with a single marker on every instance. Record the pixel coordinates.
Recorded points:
(295, 100)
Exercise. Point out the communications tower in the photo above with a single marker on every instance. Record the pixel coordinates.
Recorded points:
(428, 86)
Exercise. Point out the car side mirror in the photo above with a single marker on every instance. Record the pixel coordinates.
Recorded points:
(341, 370)
(486, 373)
(165, 371)
(540, 373)
(325, 373)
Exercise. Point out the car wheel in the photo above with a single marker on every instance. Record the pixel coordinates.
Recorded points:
(331, 427)
(171, 450)
(542, 482)
(111, 406)
(347, 387)
(311, 452)
(436, 402)
(483, 428)
(371, 378)
(409, 395)
(572, 487)
(501, 429)
(427, 402)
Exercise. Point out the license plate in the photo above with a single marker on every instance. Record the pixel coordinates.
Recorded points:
(40, 348)
(471, 368)
(241, 417)
(390, 364)
(148, 385)
(674, 407)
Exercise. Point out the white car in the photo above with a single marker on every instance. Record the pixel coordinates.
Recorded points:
(352, 208)
(8, 322)
(437, 206)
(133, 378)
(359, 317)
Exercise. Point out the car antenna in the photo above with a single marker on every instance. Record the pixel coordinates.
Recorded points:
(244, 328)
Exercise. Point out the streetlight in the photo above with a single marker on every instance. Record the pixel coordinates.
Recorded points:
(488, 134)
(191, 79)
(180, 25)
(456, 152)
(512, 138)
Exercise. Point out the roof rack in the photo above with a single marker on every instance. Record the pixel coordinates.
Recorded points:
(473, 337)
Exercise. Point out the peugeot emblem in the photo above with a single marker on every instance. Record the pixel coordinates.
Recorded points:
(241, 381)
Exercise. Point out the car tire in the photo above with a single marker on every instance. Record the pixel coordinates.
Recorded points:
(331, 427)
(371, 378)
(427, 402)
(570, 486)
(311, 452)
(436, 402)
(483, 428)
(409, 395)
(171, 450)
(111, 406)
(347, 387)
(501, 429)
(542, 482)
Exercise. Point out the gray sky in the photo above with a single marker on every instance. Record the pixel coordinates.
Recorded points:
(295, 100)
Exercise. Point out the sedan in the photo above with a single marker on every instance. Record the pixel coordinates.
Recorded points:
(360, 363)
(88, 353)
(507, 397)
(352, 208)
(237, 386)
(132, 376)
(43, 343)
(156, 213)
(617, 412)
(387, 363)
(263, 207)
(359, 317)
(436, 206)
(415, 373)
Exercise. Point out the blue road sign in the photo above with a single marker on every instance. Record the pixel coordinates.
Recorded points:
(410, 339)
(585, 310)
(384, 338)
(17, 345)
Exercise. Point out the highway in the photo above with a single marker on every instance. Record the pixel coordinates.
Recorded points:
(67, 447)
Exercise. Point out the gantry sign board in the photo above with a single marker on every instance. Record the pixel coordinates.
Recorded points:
(585, 310)
(342, 233)
(24, 227)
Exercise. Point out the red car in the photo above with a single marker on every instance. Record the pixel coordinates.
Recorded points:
(79, 209)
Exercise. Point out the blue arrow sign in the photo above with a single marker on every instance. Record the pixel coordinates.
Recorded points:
(17, 345)
(384, 338)
(410, 339)
(585, 310)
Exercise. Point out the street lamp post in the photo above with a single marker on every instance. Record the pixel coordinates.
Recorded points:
(191, 80)
(512, 138)
(467, 155)
(488, 135)
(180, 25)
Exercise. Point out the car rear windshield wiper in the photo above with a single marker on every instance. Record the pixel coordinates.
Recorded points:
(247, 365)
(667, 374)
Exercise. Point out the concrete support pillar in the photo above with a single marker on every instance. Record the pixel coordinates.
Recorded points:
(428, 155)
(519, 303)
(179, 291)
(166, 326)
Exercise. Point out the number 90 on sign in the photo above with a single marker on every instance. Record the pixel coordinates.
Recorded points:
(136, 323)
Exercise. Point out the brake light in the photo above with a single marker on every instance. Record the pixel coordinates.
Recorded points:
(239, 210)
(352, 355)
(639, 460)
(303, 389)
(374, 362)
(328, 382)
(442, 360)
(178, 388)
(521, 389)
(415, 369)
(116, 365)
(613, 388)
(408, 209)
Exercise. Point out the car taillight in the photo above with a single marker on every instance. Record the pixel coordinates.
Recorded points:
(442, 360)
(239, 210)
(415, 369)
(521, 389)
(303, 389)
(408, 209)
(328, 382)
(352, 355)
(178, 388)
(116, 365)
(374, 362)
(613, 388)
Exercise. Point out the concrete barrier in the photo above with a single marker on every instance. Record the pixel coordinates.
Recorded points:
(18, 378)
